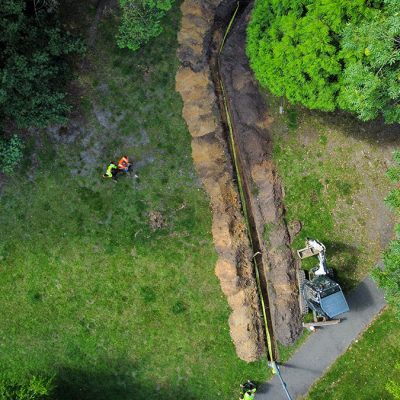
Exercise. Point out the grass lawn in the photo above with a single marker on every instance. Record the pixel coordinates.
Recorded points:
(367, 367)
(89, 292)
(333, 172)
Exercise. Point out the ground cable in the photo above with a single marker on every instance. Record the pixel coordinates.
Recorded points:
(272, 363)
(240, 186)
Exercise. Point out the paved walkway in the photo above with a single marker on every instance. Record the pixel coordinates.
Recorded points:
(323, 347)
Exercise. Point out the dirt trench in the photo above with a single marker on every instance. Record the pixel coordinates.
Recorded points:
(202, 29)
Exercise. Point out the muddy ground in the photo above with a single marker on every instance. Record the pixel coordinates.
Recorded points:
(212, 161)
(203, 25)
(249, 115)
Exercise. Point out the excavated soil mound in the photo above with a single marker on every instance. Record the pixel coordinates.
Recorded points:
(248, 112)
(213, 165)
(201, 30)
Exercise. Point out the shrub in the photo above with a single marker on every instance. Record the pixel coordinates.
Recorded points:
(140, 21)
(370, 82)
(328, 54)
(34, 65)
(389, 277)
(10, 153)
(34, 388)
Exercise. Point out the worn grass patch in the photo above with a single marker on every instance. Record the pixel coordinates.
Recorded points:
(92, 294)
(365, 369)
(333, 172)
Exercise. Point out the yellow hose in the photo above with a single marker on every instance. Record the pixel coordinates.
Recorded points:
(242, 196)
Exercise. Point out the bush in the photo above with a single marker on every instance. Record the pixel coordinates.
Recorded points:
(140, 21)
(34, 388)
(10, 153)
(370, 83)
(389, 277)
(34, 65)
(328, 54)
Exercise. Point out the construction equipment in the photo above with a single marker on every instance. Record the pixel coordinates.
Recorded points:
(320, 292)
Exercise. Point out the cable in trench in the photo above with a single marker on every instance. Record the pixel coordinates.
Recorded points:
(272, 362)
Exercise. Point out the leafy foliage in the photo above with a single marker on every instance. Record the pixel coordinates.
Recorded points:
(10, 153)
(393, 387)
(33, 63)
(294, 47)
(371, 81)
(140, 21)
(389, 278)
(34, 388)
(66, 285)
(324, 54)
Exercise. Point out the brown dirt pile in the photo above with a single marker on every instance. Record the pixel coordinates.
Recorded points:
(253, 140)
(199, 36)
(211, 158)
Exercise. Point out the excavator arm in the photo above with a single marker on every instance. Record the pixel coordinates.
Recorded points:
(315, 248)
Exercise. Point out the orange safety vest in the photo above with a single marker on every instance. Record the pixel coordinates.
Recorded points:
(123, 163)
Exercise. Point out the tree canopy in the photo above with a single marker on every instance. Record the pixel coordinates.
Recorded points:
(33, 63)
(371, 79)
(326, 54)
(140, 21)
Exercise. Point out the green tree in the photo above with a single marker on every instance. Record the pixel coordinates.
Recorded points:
(294, 47)
(326, 54)
(371, 80)
(140, 21)
(389, 277)
(34, 65)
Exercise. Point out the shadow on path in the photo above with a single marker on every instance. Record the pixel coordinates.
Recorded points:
(312, 359)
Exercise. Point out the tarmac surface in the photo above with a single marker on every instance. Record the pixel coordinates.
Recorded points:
(316, 355)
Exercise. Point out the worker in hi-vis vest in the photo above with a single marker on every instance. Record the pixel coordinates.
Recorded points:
(111, 171)
(125, 165)
(248, 391)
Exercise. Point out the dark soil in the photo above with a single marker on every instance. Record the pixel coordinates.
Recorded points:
(212, 161)
(262, 185)
(203, 26)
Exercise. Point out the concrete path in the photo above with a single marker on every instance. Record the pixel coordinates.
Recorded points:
(323, 347)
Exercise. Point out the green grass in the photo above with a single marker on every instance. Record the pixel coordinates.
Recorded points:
(327, 172)
(312, 187)
(285, 352)
(365, 369)
(334, 181)
(90, 294)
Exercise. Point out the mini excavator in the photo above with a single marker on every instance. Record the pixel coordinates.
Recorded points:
(320, 292)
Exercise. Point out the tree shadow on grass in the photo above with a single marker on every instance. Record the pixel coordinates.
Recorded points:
(344, 259)
(112, 384)
(373, 132)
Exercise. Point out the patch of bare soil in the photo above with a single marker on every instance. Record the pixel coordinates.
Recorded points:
(253, 139)
(200, 33)
(213, 165)
(156, 220)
